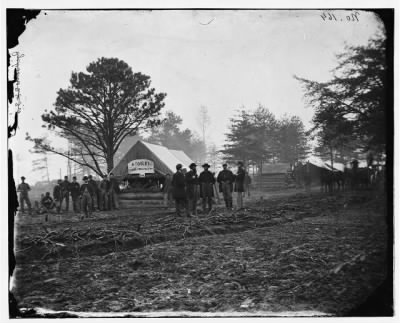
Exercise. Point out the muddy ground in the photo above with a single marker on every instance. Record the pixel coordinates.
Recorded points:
(288, 252)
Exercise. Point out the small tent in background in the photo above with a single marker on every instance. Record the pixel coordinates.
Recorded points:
(316, 161)
(318, 165)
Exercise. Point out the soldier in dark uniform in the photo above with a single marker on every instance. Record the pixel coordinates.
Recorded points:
(95, 188)
(74, 189)
(239, 184)
(47, 202)
(105, 187)
(23, 190)
(46, 205)
(65, 193)
(192, 188)
(178, 190)
(225, 179)
(86, 193)
(57, 195)
(207, 181)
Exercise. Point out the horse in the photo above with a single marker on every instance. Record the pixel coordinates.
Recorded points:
(340, 179)
(332, 180)
(360, 178)
(326, 179)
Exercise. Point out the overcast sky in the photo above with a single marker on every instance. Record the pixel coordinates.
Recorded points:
(220, 59)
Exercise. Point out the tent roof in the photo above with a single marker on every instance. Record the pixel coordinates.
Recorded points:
(169, 157)
(165, 160)
(339, 166)
(185, 159)
(316, 161)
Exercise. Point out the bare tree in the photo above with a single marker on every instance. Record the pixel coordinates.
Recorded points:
(215, 156)
(41, 165)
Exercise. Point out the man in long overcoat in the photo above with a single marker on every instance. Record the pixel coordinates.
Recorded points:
(95, 197)
(74, 189)
(225, 179)
(192, 188)
(207, 181)
(178, 190)
(239, 184)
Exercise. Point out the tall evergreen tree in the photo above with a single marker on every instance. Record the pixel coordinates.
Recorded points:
(258, 137)
(240, 138)
(99, 109)
(292, 139)
(356, 96)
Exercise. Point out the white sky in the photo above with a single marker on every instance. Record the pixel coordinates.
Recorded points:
(240, 58)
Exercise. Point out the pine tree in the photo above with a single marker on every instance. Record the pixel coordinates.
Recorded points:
(98, 110)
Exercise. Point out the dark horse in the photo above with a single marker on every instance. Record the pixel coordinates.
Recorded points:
(332, 180)
(359, 177)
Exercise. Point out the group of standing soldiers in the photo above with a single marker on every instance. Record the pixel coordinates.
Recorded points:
(86, 197)
(89, 196)
(188, 187)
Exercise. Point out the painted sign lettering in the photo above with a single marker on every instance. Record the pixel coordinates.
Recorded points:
(140, 166)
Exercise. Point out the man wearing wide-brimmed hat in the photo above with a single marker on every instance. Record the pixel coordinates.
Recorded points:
(95, 196)
(239, 184)
(225, 179)
(74, 189)
(23, 190)
(57, 194)
(192, 188)
(207, 181)
(178, 190)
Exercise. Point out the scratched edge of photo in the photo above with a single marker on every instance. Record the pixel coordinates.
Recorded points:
(13, 96)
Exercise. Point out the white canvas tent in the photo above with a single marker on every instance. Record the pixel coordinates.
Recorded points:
(325, 164)
(165, 160)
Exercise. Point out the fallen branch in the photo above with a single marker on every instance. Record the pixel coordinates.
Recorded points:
(123, 231)
(352, 261)
(293, 249)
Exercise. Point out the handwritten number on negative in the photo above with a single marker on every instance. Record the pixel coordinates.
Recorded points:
(327, 16)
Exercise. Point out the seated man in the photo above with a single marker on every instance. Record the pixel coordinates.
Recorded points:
(47, 203)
